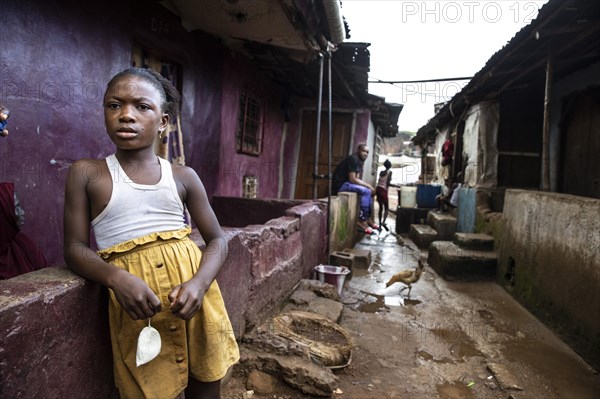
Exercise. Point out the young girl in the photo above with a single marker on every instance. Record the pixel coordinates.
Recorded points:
(383, 184)
(135, 203)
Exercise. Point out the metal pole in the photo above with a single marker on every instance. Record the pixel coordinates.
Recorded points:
(546, 128)
(318, 133)
(329, 130)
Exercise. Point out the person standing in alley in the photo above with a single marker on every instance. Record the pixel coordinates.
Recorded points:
(381, 191)
(136, 202)
(347, 177)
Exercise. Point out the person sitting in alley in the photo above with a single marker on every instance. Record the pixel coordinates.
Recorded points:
(449, 196)
(347, 177)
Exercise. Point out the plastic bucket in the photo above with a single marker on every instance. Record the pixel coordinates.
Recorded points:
(426, 194)
(334, 275)
(408, 197)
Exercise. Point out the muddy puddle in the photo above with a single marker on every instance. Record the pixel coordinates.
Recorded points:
(461, 345)
(454, 390)
(373, 303)
(430, 358)
(464, 349)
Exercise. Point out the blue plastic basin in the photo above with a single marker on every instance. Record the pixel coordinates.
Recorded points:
(426, 194)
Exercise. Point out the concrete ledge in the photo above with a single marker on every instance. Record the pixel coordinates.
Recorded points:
(422, 235)
(481, 242)
(54, 335)
(451, 261)
(266, 261)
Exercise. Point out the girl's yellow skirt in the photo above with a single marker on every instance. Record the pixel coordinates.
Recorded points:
(203, 347)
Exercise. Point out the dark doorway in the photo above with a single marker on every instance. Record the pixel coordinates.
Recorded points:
(342, 132)
(580, 129)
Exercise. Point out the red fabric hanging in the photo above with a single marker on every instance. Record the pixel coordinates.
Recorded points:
(18, 253)
(447, 152)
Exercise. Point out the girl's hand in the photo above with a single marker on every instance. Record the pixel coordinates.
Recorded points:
(186, 299)
(134, 295)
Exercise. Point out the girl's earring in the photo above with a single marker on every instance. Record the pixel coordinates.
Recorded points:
(161, 133)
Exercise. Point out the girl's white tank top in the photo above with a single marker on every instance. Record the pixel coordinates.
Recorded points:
(135, 210)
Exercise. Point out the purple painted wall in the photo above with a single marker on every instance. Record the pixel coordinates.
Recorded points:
(52, 80)
(54, 88)
(239, 75)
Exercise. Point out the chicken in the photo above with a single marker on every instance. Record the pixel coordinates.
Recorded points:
(407, 277)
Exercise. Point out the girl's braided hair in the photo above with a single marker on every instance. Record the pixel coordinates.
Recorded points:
(168, 92)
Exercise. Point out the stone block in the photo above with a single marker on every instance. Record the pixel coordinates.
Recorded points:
(482, 242)
(451, 261)
(407, 216)
(339, 258)
(362, 257)
(422, 235)
(328, 308)
(443, 223)
(342, 258)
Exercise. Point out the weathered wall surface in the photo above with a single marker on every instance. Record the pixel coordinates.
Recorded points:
(480, 151)
(344, 214)
(54, 339)
(553, 242)
(240, 76)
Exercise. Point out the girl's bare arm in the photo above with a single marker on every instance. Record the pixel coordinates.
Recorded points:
(132, 293)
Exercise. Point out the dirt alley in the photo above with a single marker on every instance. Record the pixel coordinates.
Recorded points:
(449, 340)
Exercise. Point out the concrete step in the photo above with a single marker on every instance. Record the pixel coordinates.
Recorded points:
(443, 223)
(422, 235)
(453, 262)
(407, 216)
(481, 242)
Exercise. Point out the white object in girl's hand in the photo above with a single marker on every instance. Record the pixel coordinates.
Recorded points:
(148, 346)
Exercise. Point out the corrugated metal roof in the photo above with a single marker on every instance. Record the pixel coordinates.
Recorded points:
(569, 30)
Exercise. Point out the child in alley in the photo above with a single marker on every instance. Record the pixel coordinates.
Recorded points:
(135, 202)
(381, 191)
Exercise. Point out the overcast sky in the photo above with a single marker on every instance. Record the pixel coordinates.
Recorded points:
(414, 40)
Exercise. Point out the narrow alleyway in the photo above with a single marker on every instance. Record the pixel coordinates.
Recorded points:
(450, 339)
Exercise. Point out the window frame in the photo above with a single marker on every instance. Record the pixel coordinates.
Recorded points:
(251, 116)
